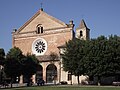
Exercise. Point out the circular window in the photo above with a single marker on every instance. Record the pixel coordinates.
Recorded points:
(39, 46)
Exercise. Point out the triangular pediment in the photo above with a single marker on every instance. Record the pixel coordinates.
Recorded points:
(47, 22)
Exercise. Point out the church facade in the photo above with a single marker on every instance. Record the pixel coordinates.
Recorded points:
(43, 35)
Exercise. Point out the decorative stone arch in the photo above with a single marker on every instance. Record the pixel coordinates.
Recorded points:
(51, 73)
(39, 73)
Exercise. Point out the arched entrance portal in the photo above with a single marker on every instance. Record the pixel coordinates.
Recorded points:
(39, 73)
(51, 73)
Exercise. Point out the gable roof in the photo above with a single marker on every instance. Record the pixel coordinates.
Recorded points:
(40, 12)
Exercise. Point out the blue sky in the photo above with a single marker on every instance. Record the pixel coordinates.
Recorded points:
(101, 16)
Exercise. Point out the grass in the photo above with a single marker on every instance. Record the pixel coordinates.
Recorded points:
(67, 88)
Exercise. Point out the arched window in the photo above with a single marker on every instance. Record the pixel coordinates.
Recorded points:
(81, 33)
(51, 73)
(39, 29)
(39, 73)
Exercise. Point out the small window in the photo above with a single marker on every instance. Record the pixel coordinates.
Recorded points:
(39, 29)
(81, 33)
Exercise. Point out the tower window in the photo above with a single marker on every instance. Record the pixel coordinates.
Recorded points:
(39, 29)
(81, 33)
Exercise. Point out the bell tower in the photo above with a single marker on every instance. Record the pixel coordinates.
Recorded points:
(83, 32)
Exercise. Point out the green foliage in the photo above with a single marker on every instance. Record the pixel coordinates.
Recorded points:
(94, 59)
(17, 64)
(97, 57)
(30, 64)
(2, 53)
(13, 67)
(73, 57)
(72, 87)
(2, 56)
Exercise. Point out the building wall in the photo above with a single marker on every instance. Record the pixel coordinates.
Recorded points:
(53, 40)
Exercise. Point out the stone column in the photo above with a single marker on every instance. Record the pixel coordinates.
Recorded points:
(58, 72)
(44, 72)
(33, 78)
(21, 79)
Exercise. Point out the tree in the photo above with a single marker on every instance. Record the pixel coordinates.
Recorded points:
(13, 67)
(53, 56)
(73, 57)
(2, 56)
(98, 57)
(95, 57)
(114, 57)
(30, 64)
(2, 61)
(103, 60)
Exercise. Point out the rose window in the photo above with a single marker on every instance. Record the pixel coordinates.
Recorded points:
(39, 46)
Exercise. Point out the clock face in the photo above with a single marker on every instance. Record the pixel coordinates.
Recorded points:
(39, 46)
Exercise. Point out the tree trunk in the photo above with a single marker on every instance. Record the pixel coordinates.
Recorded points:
(11, 82)
(71, 78)
(98, 80)
(78, 79)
